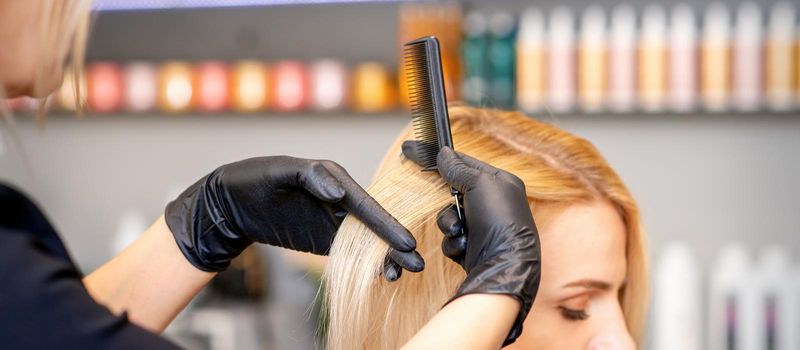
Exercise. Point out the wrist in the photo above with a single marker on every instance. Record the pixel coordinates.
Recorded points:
(202, 232)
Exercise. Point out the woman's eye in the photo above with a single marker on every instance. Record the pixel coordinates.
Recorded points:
(572, 314)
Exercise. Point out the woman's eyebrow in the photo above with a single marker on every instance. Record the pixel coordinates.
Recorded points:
(589, 284)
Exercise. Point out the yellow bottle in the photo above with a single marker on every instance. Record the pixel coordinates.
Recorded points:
(592, 60)
(715, 61)
(531, 61)
(779, 64)
(652, 70)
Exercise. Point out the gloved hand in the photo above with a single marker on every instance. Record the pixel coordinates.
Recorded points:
(282, 201)
(500, 246)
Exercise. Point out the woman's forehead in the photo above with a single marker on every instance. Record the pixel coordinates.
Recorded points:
(582, 241)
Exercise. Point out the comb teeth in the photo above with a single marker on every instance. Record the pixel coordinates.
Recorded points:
(420, 96)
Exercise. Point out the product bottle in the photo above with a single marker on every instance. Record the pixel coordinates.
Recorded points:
(729, 293)
(592, 65)
(747, 58)
(715, 59)
(677, 314)
(780, 67)
(328, 85)
(174, 90)
(622, 60)
(501, 60)
(561, 59)
(778, 302)
(652, 74)
(683, 59)
(531, 61)
(474, 50)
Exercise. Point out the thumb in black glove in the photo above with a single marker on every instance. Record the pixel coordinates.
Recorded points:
(283, 201)
(499, 248)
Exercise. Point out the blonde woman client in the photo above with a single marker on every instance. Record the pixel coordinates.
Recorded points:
(593, 273)
(45, 303)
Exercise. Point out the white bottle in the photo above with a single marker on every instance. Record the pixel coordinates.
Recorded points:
(531, 61)
(677, 306)
(778, 302)
(561, 79)
(622, 59)
(728, 290)
(683, 59)
(747, 48)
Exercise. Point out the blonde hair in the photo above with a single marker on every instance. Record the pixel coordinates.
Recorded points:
(64, 31)
(558, 168)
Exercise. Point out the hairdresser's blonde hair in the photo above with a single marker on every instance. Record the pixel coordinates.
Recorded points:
(64, 31)
(558, 168)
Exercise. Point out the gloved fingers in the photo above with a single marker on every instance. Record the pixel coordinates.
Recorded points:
(410, 261)
(359, 203)
(477, 163)
(418, 152)
(455, 171)
(455, 247)
(449, 222)
(319, 181)
(487, 168)
(391, 270)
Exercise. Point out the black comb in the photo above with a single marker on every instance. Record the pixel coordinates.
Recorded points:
(422, 63)
(423, 70)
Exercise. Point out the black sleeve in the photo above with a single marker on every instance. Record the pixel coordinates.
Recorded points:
(44, 305)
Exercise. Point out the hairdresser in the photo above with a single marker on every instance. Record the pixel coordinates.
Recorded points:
(46, 303)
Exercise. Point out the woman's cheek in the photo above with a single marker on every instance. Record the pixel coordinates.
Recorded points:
(545, 328)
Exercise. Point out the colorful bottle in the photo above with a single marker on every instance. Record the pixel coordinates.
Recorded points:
(140, 87)
(373, 88)
(501, 60)
(592, 64)
(780, 67)
(652, 74)
(531, 61)
(290, 87)
(474, 50)
(561, 60)
(104, 87)
(747, 49)
(175, 87)
(328, 85)
(682, 59)
(622, 60)
(715, 60)
(211, 86)
(250, 82)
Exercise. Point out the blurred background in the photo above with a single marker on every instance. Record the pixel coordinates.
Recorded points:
(696, 104)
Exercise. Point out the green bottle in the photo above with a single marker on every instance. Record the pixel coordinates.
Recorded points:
(501, 61)
(474, 49)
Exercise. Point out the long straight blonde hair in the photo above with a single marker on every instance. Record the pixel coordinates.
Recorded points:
(558, 168)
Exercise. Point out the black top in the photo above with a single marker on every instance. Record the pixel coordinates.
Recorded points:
(43, 303)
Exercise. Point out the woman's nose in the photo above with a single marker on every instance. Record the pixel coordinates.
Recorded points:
(622, 341)
(613, 333)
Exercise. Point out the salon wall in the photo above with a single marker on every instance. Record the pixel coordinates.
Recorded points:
(707, 181)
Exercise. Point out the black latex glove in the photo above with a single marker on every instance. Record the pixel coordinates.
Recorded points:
(282, 201)
(499, 248)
